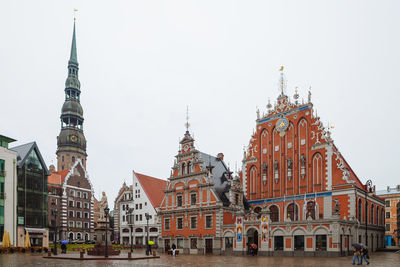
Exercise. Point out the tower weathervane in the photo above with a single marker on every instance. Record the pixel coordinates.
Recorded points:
(282, 82)
(75, 10)
(187, 119)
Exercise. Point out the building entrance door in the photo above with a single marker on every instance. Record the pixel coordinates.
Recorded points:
(167, 245)
(209, 245)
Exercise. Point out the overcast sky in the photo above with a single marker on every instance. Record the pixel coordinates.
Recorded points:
(142, 62)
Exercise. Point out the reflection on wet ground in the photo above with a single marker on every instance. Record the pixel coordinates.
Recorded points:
(386, 259)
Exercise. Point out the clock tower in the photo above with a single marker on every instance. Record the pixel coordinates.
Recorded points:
(71, 142)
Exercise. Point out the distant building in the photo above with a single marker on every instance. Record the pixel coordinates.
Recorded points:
(392, 200)
(122, 203)
(31, 185)
(8, 190)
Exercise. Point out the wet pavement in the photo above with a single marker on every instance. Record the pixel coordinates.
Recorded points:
(386, 259)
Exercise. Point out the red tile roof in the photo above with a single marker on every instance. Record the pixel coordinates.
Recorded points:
(57, 177)
(153, 187)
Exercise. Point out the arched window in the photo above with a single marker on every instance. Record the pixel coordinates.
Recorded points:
(310, 210)
(183, 168)
(253, 178)
(71, 236)
(293, 212)
(377, 216)
(274, 213)
(317, 169)
(62, 158)
(372, 214)
(359, 210)
(139, 230)
(189, 167)
(382, 216)
(366, 212)
(79, 236)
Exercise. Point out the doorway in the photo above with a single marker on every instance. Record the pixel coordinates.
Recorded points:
(209, 245)
(167, 245)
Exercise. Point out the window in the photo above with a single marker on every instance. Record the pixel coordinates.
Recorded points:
(86, 205)
(278, 242)
(179, 200)
(179, 243)
(189, 167)
(62, 158)
(140, 206)
(292, 212)
(193, 243)
(193, 222)
(183, 168)
(310, 209)
(320, 242)
(228, 242)
(145, 203)
(193, 198)
(209, 222)
(140, 216)
(78, 214)
(73, 159)
(166, 224)
(78, 204)
(86, 215)
(137, 217)
(84, 195)
(136, 206)
(359, 210)
(123, 207)
(123, 218)
(78, 194)
(372, 213)
(71, 224)
(299, 242)
(71, 193)
(274, 213)
(71, 213)
(387, 227)
(388, 215)
(179, 223)
(387, 203)
(78, 224)
(86, 225)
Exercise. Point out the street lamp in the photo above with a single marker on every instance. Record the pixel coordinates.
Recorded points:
(130, 220)
(148, 217)
(368, 186)
(106, 211)
(54, 212)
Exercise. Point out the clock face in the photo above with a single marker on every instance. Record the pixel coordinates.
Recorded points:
(186, 147)
(74, 138)
(282, 124)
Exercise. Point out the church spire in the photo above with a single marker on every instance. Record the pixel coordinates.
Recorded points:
(73, 59)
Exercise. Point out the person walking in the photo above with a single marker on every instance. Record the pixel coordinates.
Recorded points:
(356, 255)
(173, 249)
(364, 254)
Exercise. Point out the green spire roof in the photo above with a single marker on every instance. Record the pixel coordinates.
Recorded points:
(73, 57)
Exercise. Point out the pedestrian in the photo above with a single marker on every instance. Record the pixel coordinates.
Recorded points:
(173, 249)
(364, 254)
(356, 254)
(253, 249)
(63, 248)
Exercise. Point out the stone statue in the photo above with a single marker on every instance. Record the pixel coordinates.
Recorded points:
(337, 206)
(103, 204)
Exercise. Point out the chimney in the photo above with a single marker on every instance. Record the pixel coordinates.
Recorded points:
(220, 156)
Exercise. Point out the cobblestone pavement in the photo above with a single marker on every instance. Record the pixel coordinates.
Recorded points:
(386, 259)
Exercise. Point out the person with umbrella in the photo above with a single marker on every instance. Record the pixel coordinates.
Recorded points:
(364, 253)
(356, 249)
(64, 246)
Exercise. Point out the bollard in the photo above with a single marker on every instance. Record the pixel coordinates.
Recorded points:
(154, 253)
(81, 254)
(129, 255)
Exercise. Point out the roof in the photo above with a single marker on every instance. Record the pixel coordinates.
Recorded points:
(389, 191)
(153, 187)
(6, 139)
(57, 177)
(218, 165)
(24, 151)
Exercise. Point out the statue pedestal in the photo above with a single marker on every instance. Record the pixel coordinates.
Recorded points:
(100, 236)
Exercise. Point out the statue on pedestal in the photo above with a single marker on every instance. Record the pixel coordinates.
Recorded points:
(103, 204)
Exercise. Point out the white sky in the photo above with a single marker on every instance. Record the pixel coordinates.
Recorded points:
(143, 62)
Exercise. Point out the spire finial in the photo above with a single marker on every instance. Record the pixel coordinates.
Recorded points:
(282, 81)
(187, 124)
(73, 56)
(75, 10)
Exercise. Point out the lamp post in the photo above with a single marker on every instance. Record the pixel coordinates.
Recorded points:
(106, 211)
(130, 216)
(148, 217)
(54, 211)
(368, 186)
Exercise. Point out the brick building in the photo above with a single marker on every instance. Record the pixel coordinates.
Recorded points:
(200, 202)
(392, 200)
(315, 203)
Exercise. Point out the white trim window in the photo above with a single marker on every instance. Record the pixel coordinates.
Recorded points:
(193, 222)
(209, 221)
(179, 223)
(167, 224)
(71, 223)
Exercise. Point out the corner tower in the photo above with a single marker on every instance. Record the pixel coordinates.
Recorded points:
(71, 143)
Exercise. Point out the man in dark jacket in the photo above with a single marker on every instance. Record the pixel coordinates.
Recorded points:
(364, 253)
(173, 249)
